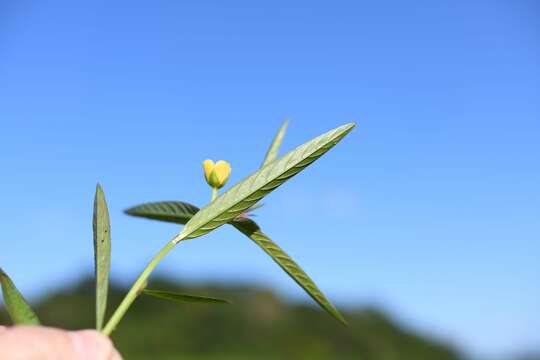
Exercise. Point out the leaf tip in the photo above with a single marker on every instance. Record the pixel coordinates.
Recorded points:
(344, 130)
(341, 319)
(99, 194)
(350, 125)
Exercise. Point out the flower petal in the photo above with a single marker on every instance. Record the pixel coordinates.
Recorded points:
(223, 171)
(208, 166)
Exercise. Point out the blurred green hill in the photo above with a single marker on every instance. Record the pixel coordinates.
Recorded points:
(257, 325)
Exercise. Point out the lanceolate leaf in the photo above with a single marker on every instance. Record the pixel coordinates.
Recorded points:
(184, 298)
(247, 227)
(177, 212)
(253, 188)
(20, 312)
(171, 211)
(276, 143)
(102, 254)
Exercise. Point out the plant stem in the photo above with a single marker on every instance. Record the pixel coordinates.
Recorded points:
(214, 193)
(137, 287)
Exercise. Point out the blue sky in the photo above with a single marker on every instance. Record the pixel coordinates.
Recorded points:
(429, 208)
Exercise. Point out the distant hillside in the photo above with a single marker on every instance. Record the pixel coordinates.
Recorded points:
(257, 325)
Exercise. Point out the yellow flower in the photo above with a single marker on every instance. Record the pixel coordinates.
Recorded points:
(216, 174)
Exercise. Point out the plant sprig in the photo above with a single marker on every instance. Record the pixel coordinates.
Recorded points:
(232, 207)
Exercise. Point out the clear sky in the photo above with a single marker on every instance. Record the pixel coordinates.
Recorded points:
(429, 208)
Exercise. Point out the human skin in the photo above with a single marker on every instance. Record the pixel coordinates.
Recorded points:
(43, 343)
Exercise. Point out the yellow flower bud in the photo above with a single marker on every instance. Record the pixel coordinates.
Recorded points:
(217, 174)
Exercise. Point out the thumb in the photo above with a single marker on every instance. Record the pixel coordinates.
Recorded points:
(91, 345)
(36, 342)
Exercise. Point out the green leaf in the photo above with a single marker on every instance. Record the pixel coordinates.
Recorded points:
(177, 212)
(170, 211)
(253, 188)
(276, 143)
(102, 254)
(20, 312)
(184, 298)
(249, 228)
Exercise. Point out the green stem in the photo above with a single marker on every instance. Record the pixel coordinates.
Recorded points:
(214, 193)
(137, 287)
